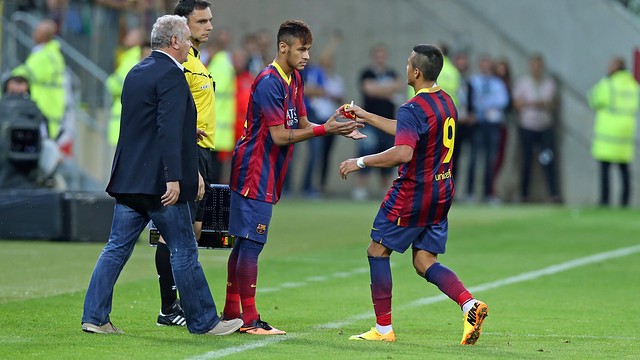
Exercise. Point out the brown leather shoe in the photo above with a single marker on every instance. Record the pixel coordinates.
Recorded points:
(107, 328)
(226, 327)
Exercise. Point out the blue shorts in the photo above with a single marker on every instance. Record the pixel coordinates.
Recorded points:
(432, 238)
(249, 218)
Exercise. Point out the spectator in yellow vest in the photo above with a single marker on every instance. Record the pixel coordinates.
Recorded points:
(615, 98)
(44, 69)
(133, 53)
(224, 75)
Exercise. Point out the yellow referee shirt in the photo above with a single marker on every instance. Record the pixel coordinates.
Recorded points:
(202, 86)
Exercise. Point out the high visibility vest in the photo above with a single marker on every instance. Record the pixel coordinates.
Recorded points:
(615, 99)
(224, 74)
(115, 81)
(44, 68)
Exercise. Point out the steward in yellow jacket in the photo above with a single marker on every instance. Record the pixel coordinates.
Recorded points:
(44, 69)
(615, 99)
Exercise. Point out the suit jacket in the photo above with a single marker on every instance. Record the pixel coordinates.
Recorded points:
(157, 142)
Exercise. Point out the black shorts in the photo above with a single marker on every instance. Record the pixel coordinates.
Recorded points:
(205, 167)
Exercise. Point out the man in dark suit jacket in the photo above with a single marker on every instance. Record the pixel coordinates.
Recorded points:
(154, 176)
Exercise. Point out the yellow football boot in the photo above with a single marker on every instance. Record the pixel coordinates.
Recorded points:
(373, 334)
(473, 323)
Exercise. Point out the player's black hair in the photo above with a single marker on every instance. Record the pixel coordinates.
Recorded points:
(428, 59)
(294, 29)
(186, 7)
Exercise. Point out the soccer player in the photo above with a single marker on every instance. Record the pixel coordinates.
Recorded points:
(198, 14)
(276, 119)
(414, 211)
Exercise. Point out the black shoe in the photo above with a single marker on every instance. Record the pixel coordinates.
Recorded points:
(174, 317)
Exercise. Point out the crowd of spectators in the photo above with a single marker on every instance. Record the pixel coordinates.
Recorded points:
(490, 101)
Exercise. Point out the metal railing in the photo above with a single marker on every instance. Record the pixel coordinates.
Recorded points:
(90, 100)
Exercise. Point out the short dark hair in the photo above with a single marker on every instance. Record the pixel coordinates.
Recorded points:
(294, 29)
(186, 7)
(427, 59)
(18, 79)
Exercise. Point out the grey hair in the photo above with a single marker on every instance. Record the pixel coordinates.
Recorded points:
(165, 27)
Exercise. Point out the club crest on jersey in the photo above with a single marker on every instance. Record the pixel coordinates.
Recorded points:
(261, 229)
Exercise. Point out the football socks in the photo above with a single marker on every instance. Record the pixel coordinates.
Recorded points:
(381, 286)
(447, 281)
(232, 304)
(247, 275)
(168, 292)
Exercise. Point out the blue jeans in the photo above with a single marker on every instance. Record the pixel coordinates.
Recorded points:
(174, 223)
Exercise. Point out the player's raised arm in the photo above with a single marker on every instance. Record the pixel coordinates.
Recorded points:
(365, 117)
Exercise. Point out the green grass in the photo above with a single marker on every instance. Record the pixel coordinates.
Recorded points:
(313, 274)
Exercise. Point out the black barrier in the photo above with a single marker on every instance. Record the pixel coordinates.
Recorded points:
(31, 214)
(215, 224)
(45, 214)
(87, 216)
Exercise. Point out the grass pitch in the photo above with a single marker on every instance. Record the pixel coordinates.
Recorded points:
(548, 296)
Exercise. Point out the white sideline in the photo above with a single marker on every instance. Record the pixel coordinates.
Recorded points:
(530, 275)
(564, 336)
(311, 279)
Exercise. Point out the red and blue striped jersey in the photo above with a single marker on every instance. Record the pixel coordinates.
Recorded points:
(258, 165)
(423, 191)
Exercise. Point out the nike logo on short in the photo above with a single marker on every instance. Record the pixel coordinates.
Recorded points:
(253, 285)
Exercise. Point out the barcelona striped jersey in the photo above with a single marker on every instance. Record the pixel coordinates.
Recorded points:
(422, 193)
(258, 165)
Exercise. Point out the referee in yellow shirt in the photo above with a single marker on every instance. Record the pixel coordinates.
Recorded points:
(198, 14)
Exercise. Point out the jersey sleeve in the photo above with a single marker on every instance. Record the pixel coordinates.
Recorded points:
(269, 96)
(407, 127)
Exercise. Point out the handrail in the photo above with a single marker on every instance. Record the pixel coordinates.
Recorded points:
(570, 130)
(572, 90)
(19, 36)
(66, 48)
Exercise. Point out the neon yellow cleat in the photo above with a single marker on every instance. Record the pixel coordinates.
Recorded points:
(473, 323)
(373, 334)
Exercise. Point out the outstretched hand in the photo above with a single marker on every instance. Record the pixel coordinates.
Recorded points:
(334, 127)
(355, 110)
(356, 135)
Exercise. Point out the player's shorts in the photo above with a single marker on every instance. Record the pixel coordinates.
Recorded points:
(249, 218)
(432, 238)
(205, 167)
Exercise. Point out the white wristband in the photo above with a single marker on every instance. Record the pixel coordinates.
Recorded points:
(360, 162)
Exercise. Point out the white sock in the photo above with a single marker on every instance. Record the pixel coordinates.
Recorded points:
(468, 305)
(383, 329)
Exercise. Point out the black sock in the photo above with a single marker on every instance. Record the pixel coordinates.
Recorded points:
(168, 292)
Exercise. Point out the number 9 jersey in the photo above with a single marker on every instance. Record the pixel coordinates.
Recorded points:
(422, 193)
